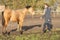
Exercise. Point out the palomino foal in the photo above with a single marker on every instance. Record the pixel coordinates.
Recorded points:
(15, 16)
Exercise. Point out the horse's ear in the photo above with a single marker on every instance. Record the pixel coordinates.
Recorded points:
(27, 7)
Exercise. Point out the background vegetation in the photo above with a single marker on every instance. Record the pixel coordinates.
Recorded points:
(38, 36)
(16, 4)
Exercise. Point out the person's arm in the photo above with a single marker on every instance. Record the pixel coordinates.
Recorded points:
(44, 13)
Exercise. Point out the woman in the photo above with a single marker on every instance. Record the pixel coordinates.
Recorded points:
(47, 18)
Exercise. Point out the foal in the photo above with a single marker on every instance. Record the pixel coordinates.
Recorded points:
(15, 16)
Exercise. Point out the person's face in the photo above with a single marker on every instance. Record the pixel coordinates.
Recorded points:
(45, 6)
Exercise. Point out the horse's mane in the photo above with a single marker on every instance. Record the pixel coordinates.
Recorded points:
(28, 7)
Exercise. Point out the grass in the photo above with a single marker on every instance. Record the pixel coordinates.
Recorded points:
(38, 36)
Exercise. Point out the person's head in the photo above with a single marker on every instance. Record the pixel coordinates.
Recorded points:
(46, 5)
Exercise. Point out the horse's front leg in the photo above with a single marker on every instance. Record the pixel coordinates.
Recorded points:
(20, 22)
(20, 27)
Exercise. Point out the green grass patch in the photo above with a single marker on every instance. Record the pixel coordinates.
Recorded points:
(39, 36)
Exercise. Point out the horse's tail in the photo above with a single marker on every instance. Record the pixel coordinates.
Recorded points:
(3, 20)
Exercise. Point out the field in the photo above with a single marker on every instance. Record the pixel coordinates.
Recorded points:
(38, 36)
(32, 30)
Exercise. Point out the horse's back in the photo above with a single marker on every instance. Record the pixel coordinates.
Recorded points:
(13, 16)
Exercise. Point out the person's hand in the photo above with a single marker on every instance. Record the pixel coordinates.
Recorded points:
(48, 19)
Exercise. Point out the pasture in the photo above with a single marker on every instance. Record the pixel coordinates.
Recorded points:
(32, 29)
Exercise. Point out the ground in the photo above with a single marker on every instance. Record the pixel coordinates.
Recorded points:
(32, 26)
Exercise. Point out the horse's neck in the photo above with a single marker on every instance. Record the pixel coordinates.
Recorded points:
(25, 10)
(21, 11)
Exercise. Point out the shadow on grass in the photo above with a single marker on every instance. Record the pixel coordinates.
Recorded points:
(25, 28)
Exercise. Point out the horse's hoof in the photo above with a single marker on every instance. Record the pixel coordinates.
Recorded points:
(4, 33)
(21, 32)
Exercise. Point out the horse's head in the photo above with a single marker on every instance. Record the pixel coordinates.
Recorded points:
(30, 10)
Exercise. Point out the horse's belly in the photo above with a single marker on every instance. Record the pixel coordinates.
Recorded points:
(13, 16)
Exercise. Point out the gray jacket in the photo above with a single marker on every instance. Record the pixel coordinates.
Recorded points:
(47, 16)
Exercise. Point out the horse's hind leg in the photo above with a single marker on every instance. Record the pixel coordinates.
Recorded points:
(3, 20)
(3, 23)
(4, 29)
